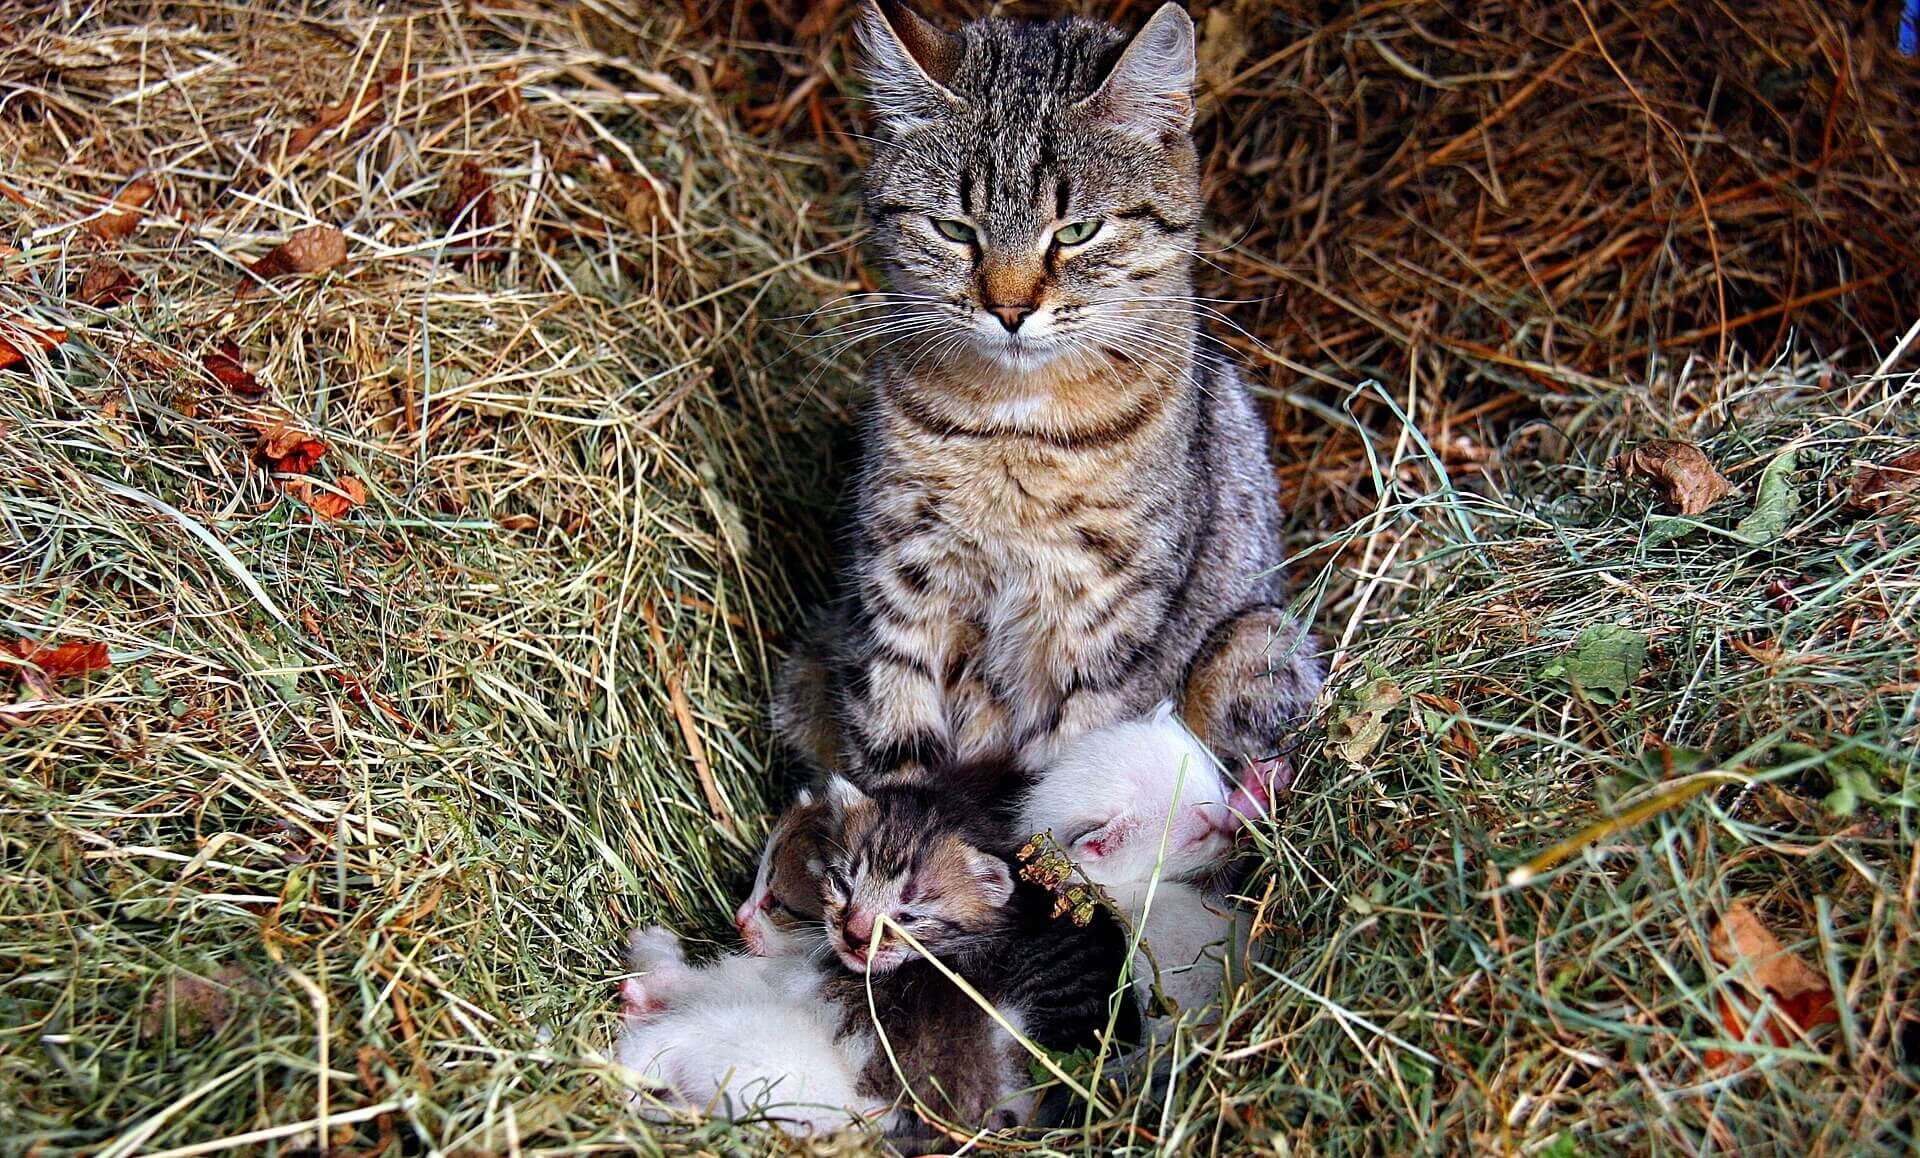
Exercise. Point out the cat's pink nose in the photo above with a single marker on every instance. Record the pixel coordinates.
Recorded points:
(1012, 316)
(859, 932)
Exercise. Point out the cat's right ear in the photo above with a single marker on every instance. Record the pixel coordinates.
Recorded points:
(908, 63)
(992, 875)
(1150, 90)
(842, 794)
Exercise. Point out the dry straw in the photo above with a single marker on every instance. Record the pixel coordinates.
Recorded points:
(339, 852)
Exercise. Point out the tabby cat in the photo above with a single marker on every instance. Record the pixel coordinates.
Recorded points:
(1065, 512)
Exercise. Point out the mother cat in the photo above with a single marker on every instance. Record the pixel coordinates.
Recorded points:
(1065, 512)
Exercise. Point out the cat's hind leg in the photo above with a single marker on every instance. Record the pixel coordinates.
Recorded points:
(1248, 686)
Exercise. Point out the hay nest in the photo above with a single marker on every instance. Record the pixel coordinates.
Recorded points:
(411, 456)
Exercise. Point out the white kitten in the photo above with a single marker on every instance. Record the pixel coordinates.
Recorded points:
(1143, 808)
(741, 1037)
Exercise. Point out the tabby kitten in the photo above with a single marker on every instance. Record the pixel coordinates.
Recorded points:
(935, 862)
(1065, 512)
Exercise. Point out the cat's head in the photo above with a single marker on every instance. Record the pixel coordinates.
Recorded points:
(783, 913)
(1110, 795)
(890, 852)
(1034, 188)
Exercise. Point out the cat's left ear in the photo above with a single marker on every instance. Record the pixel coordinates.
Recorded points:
(993, 876)
(908, 63)
(1150, 90)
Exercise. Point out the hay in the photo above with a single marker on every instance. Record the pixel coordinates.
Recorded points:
(339, 852)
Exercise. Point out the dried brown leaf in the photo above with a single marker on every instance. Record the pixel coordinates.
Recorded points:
(11, 351)
(128, 207)
(58, 661)
(362, 107)
(107, 283)
(1741, 938)
(1895, 482)
(223, 362)
(332, 505)
(315, 249)
(1799, 992)
(283, 449)
(1679, 472)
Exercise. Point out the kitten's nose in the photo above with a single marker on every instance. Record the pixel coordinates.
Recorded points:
(859, 931)
(1011, 316)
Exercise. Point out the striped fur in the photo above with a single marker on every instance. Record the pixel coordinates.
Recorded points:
(1061, 522)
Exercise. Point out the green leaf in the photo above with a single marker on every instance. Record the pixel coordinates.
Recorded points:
(1359, 719)
(1666, 528)
(1602, 664)
(1076, 1062)
(1563, 1146)
(1773, 507)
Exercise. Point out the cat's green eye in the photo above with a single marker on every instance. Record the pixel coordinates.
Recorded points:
(1076, 232)
(953, 230)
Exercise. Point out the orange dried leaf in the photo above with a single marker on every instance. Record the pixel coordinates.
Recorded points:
(1679, 472)
(334, 504)
(1741, 938)
(59, 661)
(284, 450)
(107, 283)
(360, 107)
(1888, 484)
(227, 369)
(128, 207)
(315, 249)
(1799, 992)
(12, 352)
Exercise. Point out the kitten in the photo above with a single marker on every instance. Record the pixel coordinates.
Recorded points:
(933, 860)
(1144, 811)
(782, 915)
(742, 1037)
(1065, 512)
(801, 1040)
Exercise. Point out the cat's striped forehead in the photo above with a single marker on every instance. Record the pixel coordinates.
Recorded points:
(1018, 151)
(891, 832)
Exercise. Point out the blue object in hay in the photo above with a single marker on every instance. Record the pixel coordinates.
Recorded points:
(1910, 29)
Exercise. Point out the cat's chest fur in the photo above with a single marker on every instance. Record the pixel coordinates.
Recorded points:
(1027, 552)
(1003, 528)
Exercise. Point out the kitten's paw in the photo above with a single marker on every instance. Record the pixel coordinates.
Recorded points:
(654, 948)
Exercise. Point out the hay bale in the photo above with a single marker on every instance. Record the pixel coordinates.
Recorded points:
(439, 563)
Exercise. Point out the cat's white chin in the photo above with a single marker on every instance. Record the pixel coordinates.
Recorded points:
(1019, 354)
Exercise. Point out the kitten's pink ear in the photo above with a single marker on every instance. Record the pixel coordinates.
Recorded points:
(1098, 842)
(1150, 90)
(636, 1004)
(1260, 782)
(908, 64)
(843, 794)
(995, 879)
